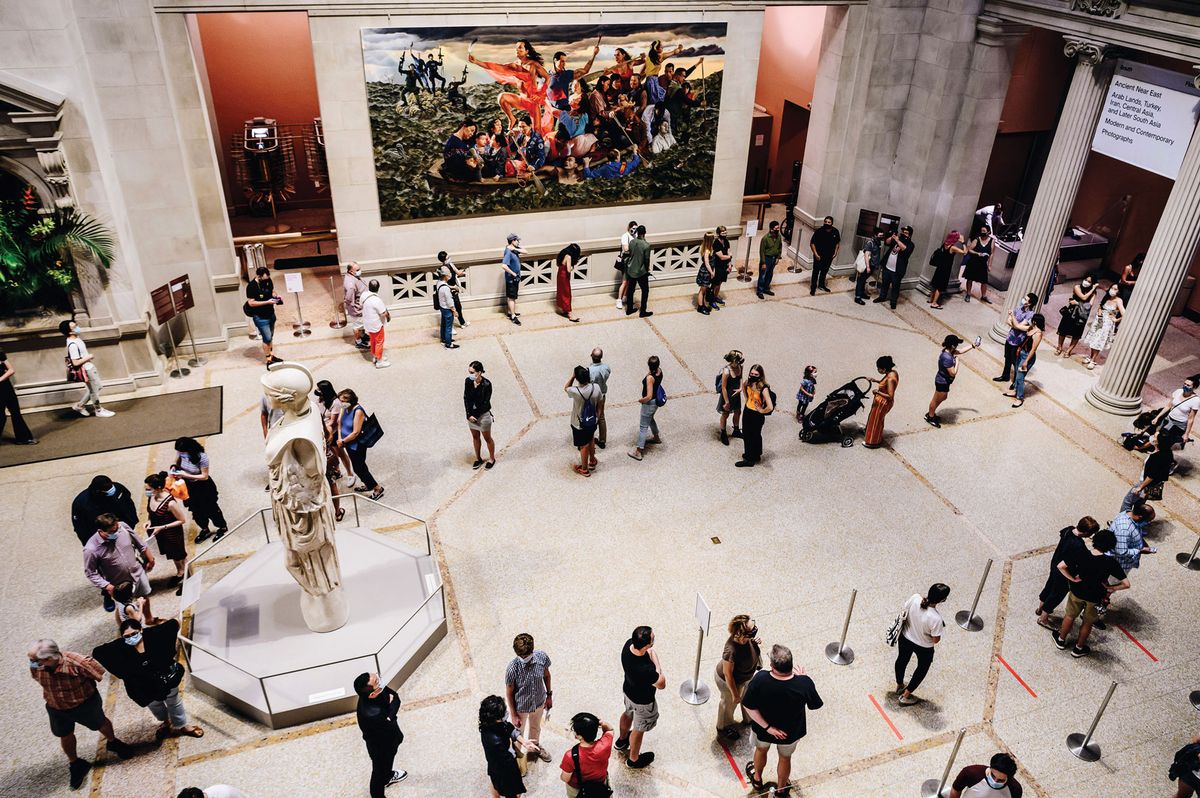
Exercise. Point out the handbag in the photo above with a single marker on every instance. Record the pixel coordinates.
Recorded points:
(1153, 492)
(74, 373)
(172, 676)
(892, 635)
(860, 262)
(371, 432)
(660, 396)
(178, 487)
(588, 789)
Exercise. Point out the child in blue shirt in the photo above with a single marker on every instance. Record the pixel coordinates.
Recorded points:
(808, 388)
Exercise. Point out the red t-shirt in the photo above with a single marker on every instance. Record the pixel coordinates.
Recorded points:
(593, 762)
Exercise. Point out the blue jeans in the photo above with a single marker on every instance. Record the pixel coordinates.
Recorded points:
(1019, 376)
(447, 325)
(646, 423)
(170, 709)
(860, 285)
(766, 271)
(266, 328)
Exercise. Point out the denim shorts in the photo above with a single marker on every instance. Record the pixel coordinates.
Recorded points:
(266, 328)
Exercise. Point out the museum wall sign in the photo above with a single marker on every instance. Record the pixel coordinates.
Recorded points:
(469, 121)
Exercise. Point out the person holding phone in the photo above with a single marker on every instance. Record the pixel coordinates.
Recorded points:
(261, 300)
(947, 370)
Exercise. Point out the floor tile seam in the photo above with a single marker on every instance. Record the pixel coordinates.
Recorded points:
(288, 735)
(899, 327)
(674, 353)
(1029, 553)
(956, 424)
(520, 378)
(1000, 626)
(96, 777)
(477, 474)
(886, 757)
(1026, 778)
(561, 414)
(456, 616)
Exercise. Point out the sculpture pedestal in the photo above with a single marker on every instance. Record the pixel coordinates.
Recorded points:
(268, 665)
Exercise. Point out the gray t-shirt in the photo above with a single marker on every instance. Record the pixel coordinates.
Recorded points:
(578, 395)
(600, 373)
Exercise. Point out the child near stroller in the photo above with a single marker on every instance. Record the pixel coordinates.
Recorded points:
(824, 422)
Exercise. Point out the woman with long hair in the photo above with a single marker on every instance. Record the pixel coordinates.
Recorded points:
(884, 398)
(704, 273)
(1026, 357)
(477, 400)
(529, 75)
(497, 736)
(165, 523)
(977, 263)
(568, 259)
(330, 406)
(942, 261)
(729, 390)
(740, 660)
(652, 62)
(921, 630)
(191, 465)
(757, 405)
(1103, 329)
(1075, 315)
(349, 431)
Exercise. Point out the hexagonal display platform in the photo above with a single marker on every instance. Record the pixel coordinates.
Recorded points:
(267, 663)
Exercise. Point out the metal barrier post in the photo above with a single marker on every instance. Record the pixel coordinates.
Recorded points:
(694, 691)
(1082, 745)
(262, 516)
(838, 653)
(1189, 561)
(932, 788)
(967, 619)
(357, 522)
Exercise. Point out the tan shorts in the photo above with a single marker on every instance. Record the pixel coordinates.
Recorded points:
(1076, 605)
(785, 749)
(645, 716)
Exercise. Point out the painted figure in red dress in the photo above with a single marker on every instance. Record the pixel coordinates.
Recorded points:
(532, 80)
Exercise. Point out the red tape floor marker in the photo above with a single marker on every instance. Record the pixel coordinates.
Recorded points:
(1145, 650)
(1016, 676)
(736, 771)
(885, 717)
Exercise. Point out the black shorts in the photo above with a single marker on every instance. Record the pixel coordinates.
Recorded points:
(582, 437)
(942, 387)
(89, 714)
(512, 285)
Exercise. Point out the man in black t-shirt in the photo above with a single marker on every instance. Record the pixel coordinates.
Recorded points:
(378, 706)
(643, 677)
(825, 244)
(1072, 542)
(1088, 574)
(1158, 468)
(776, 701)
(260, 307)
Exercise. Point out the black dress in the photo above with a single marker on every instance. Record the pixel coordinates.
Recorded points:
(942, 262)
(502, 766)
(975, 267)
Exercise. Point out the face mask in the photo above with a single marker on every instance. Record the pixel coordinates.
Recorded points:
(148, 492)
(527, 660)
(111, 491)
(471, 374)
(1187, 388)
(35, 665)
(133, 640)
(110, 539)
(995, 785)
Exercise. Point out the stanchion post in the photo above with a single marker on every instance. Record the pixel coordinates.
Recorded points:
(1189, 561)
(837, 652)
(301, 328)
(196, 359)
(693, 690)
(967, 619)
(178, 371)
(1082, 745)
(932, 788)
(338, 322)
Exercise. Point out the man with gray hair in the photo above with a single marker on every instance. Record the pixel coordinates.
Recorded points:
(68, 683)
(353, 288)
(600, 372)
(375, 316)
(776, 700)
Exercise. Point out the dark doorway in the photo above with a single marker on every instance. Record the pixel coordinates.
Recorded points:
(793, 136)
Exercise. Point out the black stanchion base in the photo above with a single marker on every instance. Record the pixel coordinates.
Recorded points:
(179, 372)
(1089, 752)
(1188, 561)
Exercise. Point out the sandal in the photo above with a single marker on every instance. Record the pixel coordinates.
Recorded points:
(583, 472)
(188, 731)
(935, 307)
(1018, 403)
(752, 777)
(339, 514)
(377, 492)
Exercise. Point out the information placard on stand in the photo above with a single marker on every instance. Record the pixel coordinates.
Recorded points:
(295, 286)
(183, 300)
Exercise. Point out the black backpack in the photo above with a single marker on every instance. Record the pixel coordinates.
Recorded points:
(1187, 762)
(588, 789)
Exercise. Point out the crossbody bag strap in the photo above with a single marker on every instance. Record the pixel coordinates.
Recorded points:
(578, 769)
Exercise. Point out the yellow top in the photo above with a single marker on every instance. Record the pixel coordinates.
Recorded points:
(754, 399)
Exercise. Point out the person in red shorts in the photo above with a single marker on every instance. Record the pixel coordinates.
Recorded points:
(585, 765)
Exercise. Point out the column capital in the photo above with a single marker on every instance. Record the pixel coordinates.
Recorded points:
(1100, 8)
(994, 32)
(1086, 51)
(1196, 77)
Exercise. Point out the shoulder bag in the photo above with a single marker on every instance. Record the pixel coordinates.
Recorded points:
(588, 789)
(860, 262)
(371, 432)
(892, 635)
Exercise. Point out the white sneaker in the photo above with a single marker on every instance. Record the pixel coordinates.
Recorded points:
(81, 410)
(102, 413)
(382, 364)
(398, 776)
(620, 304)
(465, 324)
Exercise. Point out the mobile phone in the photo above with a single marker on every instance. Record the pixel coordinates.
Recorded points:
(978, 340)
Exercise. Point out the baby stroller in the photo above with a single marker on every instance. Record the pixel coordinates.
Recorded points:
(824, 422)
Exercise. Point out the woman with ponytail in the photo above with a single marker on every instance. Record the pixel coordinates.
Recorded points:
(165, 523)
(922, 630)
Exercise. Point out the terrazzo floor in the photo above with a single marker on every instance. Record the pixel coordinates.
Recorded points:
(530, 546)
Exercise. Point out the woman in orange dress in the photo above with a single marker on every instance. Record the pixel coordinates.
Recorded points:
(885, 397)
(532, 80)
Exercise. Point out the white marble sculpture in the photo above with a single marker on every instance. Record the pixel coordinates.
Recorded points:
(300, 496)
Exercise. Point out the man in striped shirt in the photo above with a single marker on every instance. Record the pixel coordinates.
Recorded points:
(527, 688)
(68, 683)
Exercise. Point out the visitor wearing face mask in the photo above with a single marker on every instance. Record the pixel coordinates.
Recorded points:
(378, 706)
(1178, 416)
(68, 682)
(759, 402)
(165, 523)
(528, 694)
(825, 244)
(994, 780)
(83, 369)
(1074, 316)
(477, 400)
(110, 558)
(144, 660)
(871, 251)
(740, 660)
(1103, 329)
(101, 496)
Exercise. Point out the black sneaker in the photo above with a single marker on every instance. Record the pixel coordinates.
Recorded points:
(109, 604)
(362, 345)
(769, 292)
(715, 306)
(452, 346)
(737, 432)
(825, 288)
(621, 744)
(1080, 651)
(220, 533)
(879, 299)
(859, 300)
(724, 437)
(703, 310)
(478, 464)
(600, 444)
(78, 770)
(398, 776)
(744, 464)
(1101, 625)
(1001, 378)
(644, 759)
(205, 534)
(932, 421)
(760, 295)
(1058, 641)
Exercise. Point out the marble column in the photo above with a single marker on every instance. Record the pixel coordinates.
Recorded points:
(1119, 389)
(1060, 180)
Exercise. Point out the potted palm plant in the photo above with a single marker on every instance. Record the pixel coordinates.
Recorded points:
(38, 251)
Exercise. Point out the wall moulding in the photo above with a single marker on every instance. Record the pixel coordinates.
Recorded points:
(428, 8)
